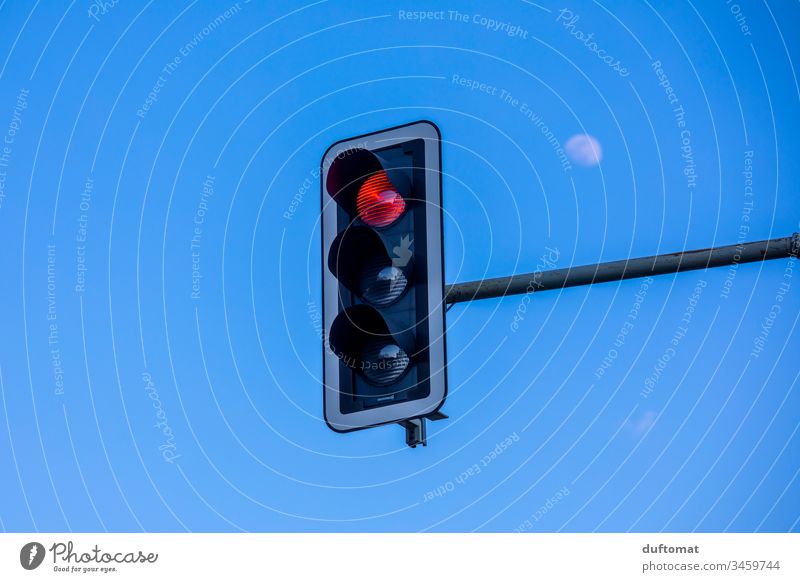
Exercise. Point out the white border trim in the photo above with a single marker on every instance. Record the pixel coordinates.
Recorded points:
(438, 385)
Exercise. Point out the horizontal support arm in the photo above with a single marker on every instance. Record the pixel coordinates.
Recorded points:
(776, 248)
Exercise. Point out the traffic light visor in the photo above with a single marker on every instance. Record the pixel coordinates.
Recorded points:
(360, 183)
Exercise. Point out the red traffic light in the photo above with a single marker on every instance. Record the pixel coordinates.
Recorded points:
(366, 187)
(378, 202)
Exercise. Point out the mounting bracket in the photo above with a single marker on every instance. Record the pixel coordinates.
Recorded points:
(416, 431)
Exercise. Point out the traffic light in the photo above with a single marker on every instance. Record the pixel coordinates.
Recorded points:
(382, 280)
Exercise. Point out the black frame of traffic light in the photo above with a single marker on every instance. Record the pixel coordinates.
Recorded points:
(419, 138)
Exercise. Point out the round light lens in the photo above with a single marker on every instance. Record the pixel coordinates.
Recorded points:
(381, 284)
(383, 363)
(378, 203)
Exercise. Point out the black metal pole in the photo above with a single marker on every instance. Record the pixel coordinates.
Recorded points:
(776, 248)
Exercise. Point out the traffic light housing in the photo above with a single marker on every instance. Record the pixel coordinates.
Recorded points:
(384, 358)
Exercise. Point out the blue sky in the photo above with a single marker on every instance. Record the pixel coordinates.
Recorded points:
(160, 356)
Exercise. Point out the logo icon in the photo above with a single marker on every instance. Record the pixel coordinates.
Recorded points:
(402, 253)
(31, 555)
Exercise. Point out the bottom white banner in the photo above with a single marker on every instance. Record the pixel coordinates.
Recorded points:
(355, 557)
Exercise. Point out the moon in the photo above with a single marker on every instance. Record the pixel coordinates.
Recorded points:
(584, 150)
